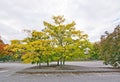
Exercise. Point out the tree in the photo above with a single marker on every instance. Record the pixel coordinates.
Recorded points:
(68, 40)
(38, 48)
(110, 47)
(14, 50)
(1, 41)
(95, 51)
(56, 42)
(3, 56)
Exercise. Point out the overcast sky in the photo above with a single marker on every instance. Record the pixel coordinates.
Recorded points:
(91, 16)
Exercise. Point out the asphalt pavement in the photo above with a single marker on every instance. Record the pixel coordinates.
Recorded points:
(8, 74)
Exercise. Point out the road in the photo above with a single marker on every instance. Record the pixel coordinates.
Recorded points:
(8, 74)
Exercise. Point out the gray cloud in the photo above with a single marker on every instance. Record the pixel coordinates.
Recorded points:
(92, 16)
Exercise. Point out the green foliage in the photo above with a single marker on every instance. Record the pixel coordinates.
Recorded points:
(15, 50)
(95, 51)
(5, 58)
(110, 47)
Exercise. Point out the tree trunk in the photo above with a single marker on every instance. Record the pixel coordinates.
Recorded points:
(39, 64)
(48, 63)
(61, 63)
(64, 61)
(58, 63)
(40, 57)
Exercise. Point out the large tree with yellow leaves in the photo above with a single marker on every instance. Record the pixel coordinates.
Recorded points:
(69, 42)
(56, 42)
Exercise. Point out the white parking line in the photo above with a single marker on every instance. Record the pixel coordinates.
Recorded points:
(3, 71)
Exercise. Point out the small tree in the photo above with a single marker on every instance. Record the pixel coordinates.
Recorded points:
(3, 56)
(38, 48)
(14, 50)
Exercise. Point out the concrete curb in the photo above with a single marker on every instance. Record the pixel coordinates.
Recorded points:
(66, 72)
(83, 70)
